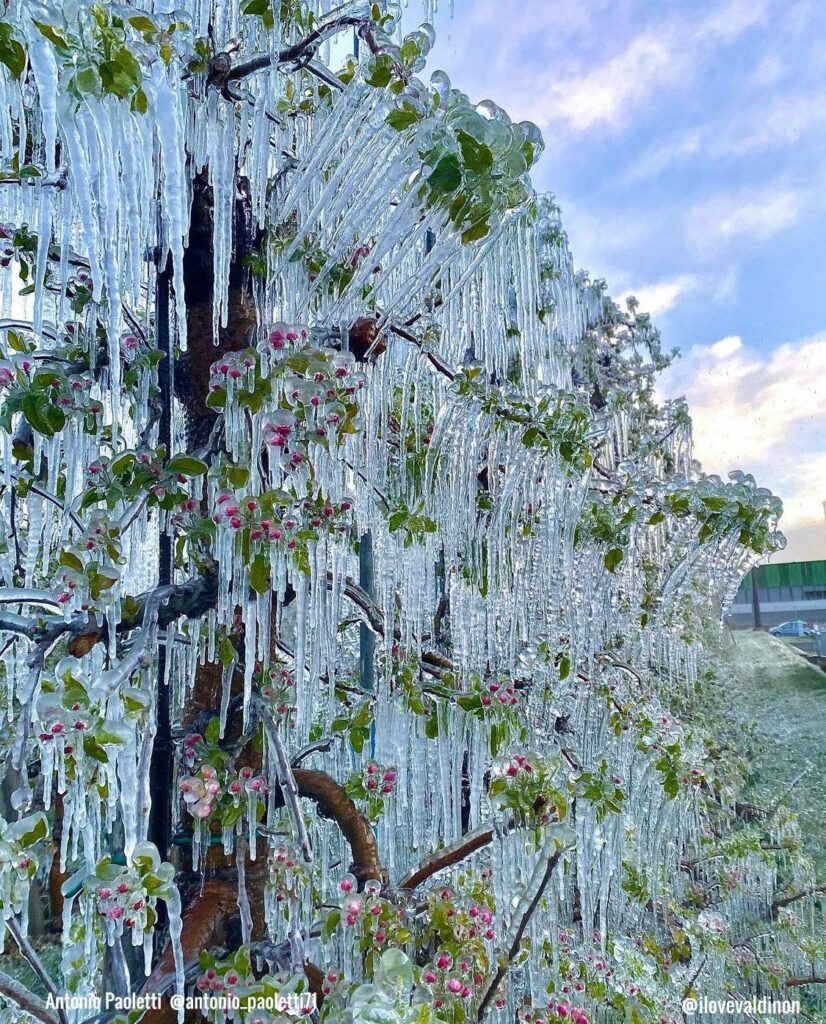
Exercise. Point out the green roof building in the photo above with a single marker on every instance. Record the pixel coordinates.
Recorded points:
(788, 590)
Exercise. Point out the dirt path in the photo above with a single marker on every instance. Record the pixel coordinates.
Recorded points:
(785, 699)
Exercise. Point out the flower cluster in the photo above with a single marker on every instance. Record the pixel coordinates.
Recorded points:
(461, 930)
(204, 793)
(6, 244)
(288, 872)
(376, 923)
(18, 366)
(374, 783)
(501, 690)
(335, 989)
(126, 897)
(525, 785)
(241, 994)
(47, 396)
(18, 862)
(283, 336)
(450, 980)
(74, 731)
(272, 523)
(276, 685)
(202, 790)
(122, 900)
(131, 473)
(556, 1010)
(304, 395)
(269, 521)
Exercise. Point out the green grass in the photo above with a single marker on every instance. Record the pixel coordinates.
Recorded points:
(784, 698)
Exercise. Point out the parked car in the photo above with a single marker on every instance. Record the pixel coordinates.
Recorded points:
(797, 627)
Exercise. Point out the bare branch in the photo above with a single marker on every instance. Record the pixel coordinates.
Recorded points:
(28, 1001)
(286, 780)
(319, 747)
(784, 901)
(41, 492)
(27, 595)
(448, 856)
(529, 905)
(299, 53)
(333, 802)
(29, 954)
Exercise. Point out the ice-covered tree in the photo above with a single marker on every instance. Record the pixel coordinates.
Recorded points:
(352, 581)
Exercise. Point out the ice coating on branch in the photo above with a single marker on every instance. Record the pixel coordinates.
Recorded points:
(442, 545)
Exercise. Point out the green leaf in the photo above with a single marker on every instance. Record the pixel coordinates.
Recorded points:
(380, 73)
(410, 51)
(715, 504)
(330, 925)
(398, 519)
(12, 53)
(71, 560)
(228, 654)
(121, 74)
(45, 419)
(613, 559)
(88, 81)
(431, 726)
(36, 827)
(401, 120)
(142, 23)
(658, 517)
(260, 574)
(475, 233)
(52, 34)
(477, 157)
(447, 175)
(188, 465)
(237, 475)
(564, 666)
(16, 342)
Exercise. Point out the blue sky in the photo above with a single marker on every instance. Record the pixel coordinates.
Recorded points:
(686, 144)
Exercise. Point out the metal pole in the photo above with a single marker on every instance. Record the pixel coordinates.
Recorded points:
(755, 599)
(160, 779)
(367, 639)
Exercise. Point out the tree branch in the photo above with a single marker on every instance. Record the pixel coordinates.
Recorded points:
(286, 780)
(300, 52)
(333, 802)
(29, 954)
(448, 856)
(190, 599)
(784, 901)
(516, 941)
(28, 1001)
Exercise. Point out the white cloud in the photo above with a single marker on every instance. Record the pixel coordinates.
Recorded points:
(758, 127)
(763, 413)
(757, 214)
(662, 296)
(609, 92)
(726, 347)
(662, 56)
